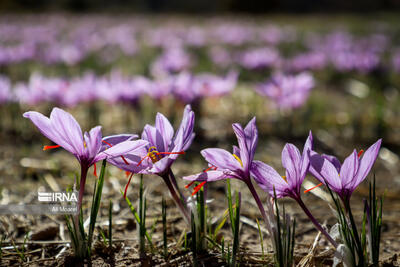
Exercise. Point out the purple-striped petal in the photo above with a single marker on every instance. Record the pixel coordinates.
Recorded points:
(349, 169)
(366, 162)
(221, 159)
(165, 129)
(209, 176)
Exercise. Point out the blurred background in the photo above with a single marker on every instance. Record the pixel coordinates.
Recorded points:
(327, 66)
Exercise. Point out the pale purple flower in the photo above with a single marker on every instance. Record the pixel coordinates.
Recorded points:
(235, 165)
(257, 58)
(296, 165)
(189, 88)
(287, 91)
(88, 148)
(163, 146)
(344, 179)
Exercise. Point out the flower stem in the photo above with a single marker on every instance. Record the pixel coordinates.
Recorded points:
(260, 206)
(174, 182)
(315, 222)
(176, 198)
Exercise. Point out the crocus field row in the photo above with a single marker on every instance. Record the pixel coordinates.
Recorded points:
(160, 146)
(245, 44)
(286, 91)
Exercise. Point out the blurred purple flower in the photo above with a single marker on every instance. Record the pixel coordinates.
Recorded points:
(287, 91)
(258, 58)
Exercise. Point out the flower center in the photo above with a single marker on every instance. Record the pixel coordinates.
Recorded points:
(155, 156)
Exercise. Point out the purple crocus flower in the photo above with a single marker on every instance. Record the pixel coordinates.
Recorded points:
(231, 165)
(163, 146)
(88, 148)
(160, 153)
(296, 165)
(237, 165)
(344, 179)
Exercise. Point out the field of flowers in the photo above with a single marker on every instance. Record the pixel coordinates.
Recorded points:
(190, 141)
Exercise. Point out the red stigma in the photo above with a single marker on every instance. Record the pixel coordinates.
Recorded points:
(360, 153)
(308, 190)
(198, 187)
(189, 184)
(95, 170)
(127, 185)
(50, 147)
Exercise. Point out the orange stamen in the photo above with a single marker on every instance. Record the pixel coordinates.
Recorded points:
(152, 155)
(360, 153)
(126, 187)
(308, 190)
(189, 184)
(95, 170)
(198, 187)
(50, 147)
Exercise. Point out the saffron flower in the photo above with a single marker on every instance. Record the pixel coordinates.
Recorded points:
(296, 165)
(88, 148)
(237, 165)
(344, 179)
(161, 151)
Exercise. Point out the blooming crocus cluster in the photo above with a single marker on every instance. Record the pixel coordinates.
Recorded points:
(287, 91)
(241, 165)
(114, 88)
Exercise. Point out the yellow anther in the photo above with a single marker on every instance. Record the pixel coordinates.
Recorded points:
(284, 178)
(238, 159)
(153, 153)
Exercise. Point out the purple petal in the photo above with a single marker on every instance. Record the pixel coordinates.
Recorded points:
(268, 178)
(244, 152)
(165, 129)
(324, 170)
(115, 139)
(151, 134)
(251, 134)
(221, 159)
(291, 160)
(349, 169)
(209, 176)
(236, 151)
(334, 161)
(122, 149)
(186, 127)
(366, 162)
(44, 126)
(67, 127)
(93, 142)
